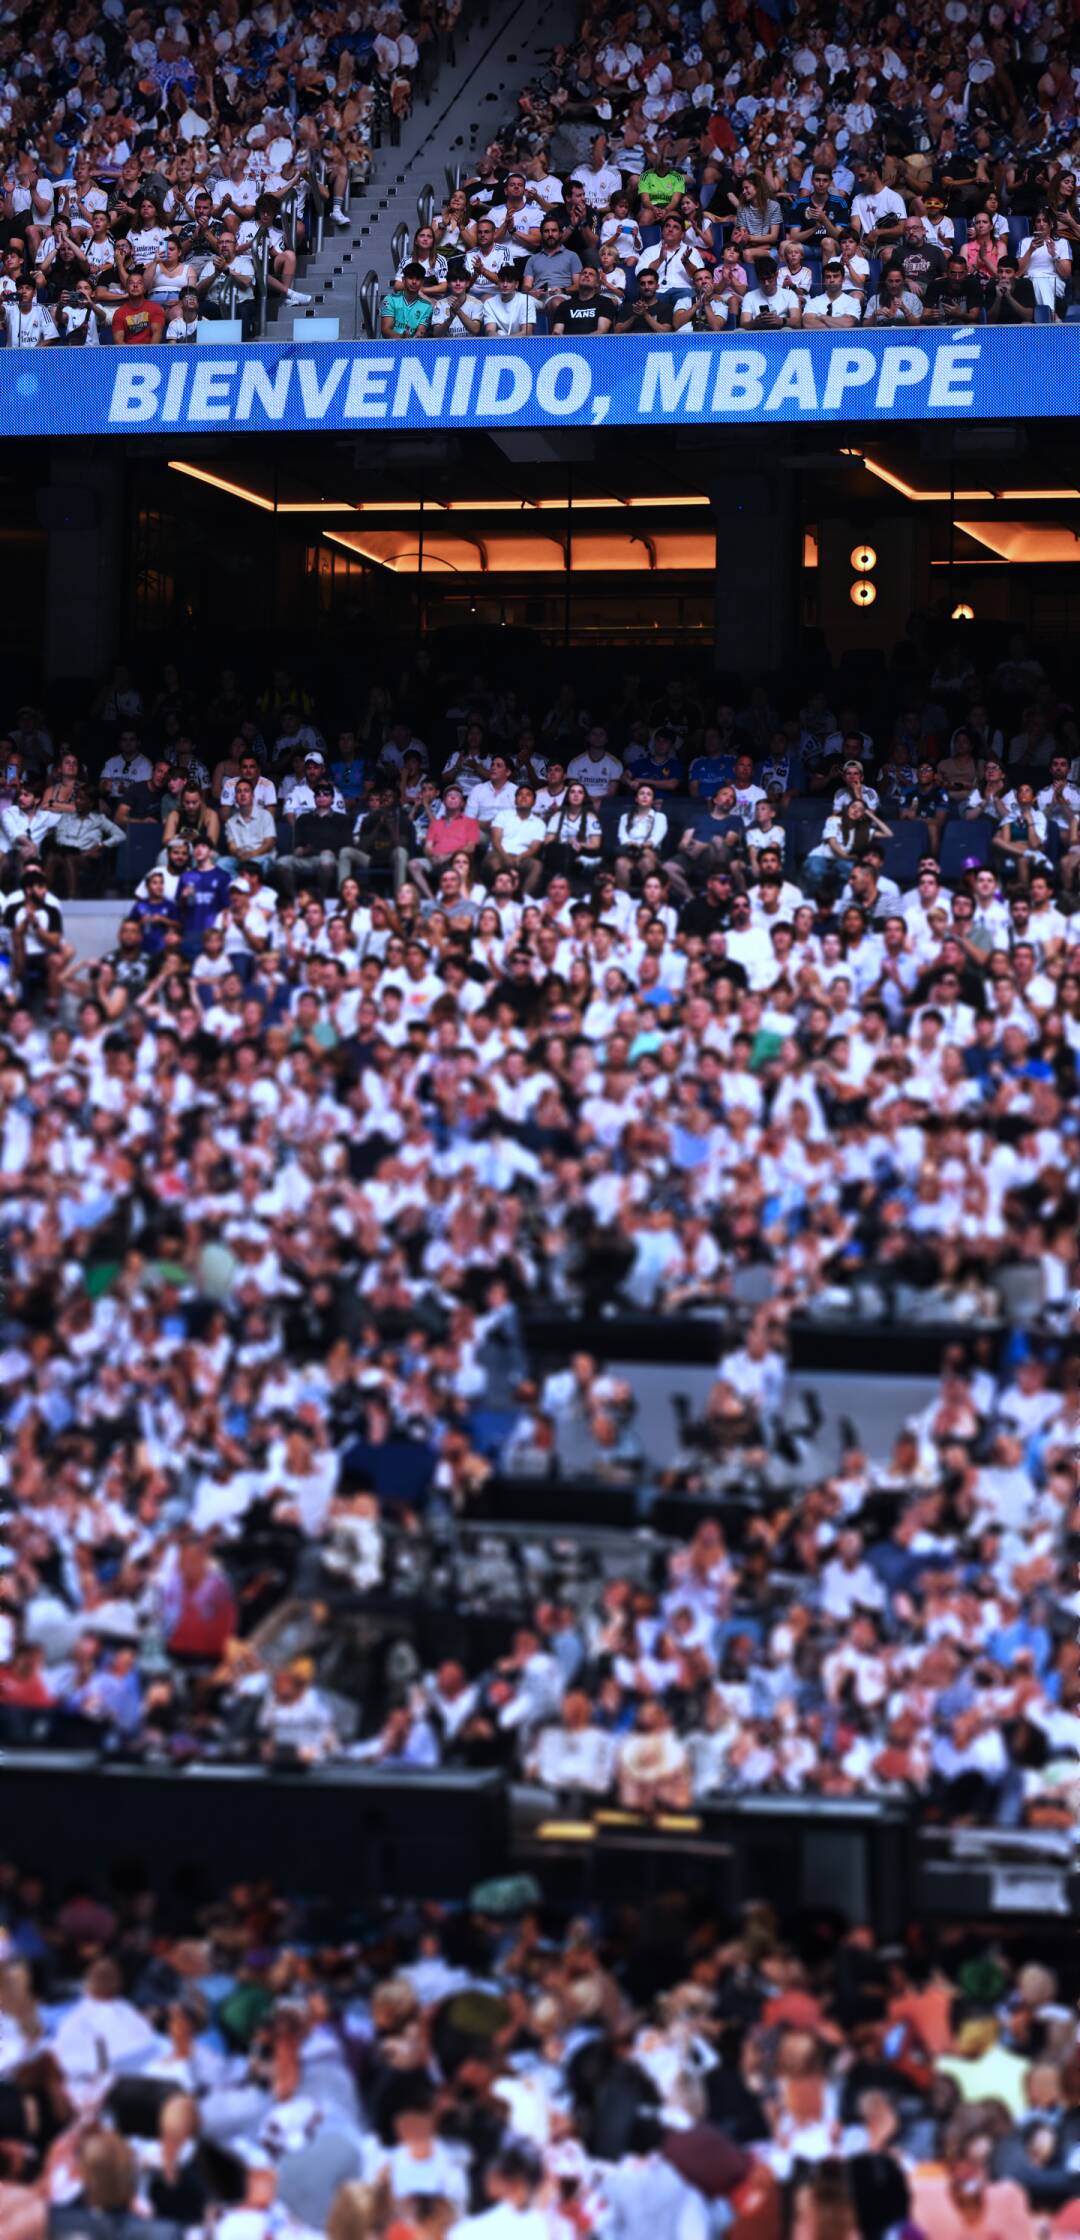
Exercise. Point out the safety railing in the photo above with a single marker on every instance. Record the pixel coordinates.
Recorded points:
(289, 215)
(318, 200)
(368, 297)
(260, 257)
(425, 205)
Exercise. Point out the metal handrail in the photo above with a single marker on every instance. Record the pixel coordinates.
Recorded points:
(260, 257)
(425, 205)
(399, 245)
(318, 200)
(288, 214)
(368, 297)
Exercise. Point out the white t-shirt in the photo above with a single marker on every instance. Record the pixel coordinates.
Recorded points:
(674, 268)
(597, 776)
(843, 306)
(147, 244)
(517, 832)
(514, 315)
(27, 330)
(783, 301)
(876, 209)
(494, 259)
(527, 219)
(599, 185)
(1041, 271)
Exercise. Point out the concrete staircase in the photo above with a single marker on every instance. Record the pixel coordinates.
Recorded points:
(503, 45)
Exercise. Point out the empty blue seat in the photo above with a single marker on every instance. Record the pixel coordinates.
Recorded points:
(964, 837)
(903, 853)
(137, 854)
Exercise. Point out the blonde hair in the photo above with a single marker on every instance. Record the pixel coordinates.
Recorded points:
(358, 2211)
(109, 2171)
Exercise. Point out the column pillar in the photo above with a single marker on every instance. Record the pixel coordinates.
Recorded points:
(756, 626)
(81, 507)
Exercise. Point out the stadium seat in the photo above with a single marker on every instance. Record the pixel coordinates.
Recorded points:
(310, 329)
(137, 854)
(963, 837)
(804, 824)
(909, 843)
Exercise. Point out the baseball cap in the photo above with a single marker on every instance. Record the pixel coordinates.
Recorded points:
(315, 756)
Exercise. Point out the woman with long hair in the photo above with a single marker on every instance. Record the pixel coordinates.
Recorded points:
(426, 254)
(846, 837)
(454, 228)
(574, 840)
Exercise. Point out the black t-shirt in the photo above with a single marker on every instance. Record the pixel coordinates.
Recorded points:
(951, 299)
(1022, 291)
(580, 317)
(920, 262)
(634, 323)
(313, 831)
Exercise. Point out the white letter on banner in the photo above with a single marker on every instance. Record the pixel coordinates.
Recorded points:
(795, 379)
(174, 391)
(134, 394)
(463, 381)
(848, 369)
(258, 384)
(670, 384)
(552, 372)
(901, 368)
(209, 399)
(318, 396)
(425, 379)
(953, 374)
(366, 396)
(739, 376)
(489, 397)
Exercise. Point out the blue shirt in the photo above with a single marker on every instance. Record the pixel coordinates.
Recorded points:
(349, 778)
(646, 768)
(200, 897)
(707, 771)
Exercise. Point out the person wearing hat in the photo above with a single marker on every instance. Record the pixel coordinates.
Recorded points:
(836, 306)
(40, 956)
(298, 794)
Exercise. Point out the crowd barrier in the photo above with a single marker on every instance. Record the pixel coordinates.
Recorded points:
(348, 1834)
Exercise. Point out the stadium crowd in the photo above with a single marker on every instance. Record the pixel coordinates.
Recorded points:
(159, 165)
(711, 169)
(409, 1029)
(768, 167)
(505, 2074)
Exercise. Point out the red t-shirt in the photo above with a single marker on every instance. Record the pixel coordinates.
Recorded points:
(138, 322)
(447, 834)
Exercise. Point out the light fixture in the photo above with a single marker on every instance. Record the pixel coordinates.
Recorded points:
(863, 593)
(863, 559)
(963, 613)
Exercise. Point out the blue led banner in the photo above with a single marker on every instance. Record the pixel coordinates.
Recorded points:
(629, 381)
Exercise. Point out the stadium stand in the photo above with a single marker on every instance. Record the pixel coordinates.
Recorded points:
(768, 170)
(404, 1039)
